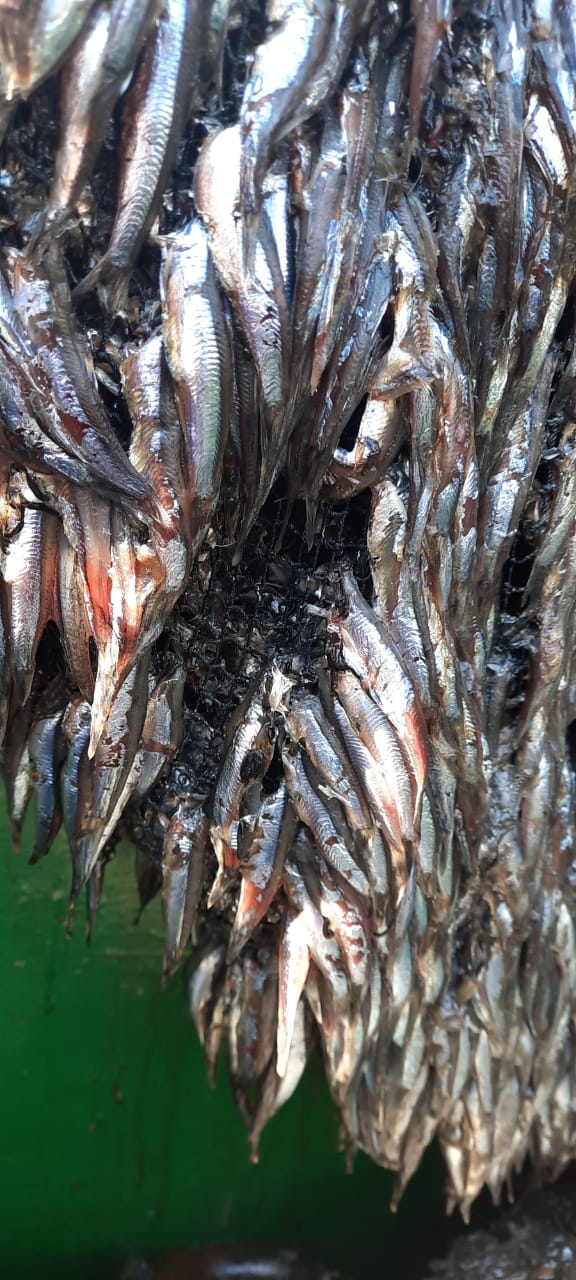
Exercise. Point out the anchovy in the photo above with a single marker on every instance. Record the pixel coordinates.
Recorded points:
(258, 297)
(76, 771)
(381, 434)
(183, 855)
(432, 19)
(375, 730)
(28, 570)
(17, 769)
(314, 814)
(344, 917)
(59, 377)
(153, 118)
(156, 442)
(91, 83)
(45, 748)
(162, 731)
(110, 782)
(75, 627)
(273, 97)
(199, 356)
(204, 978)
(275, 1090)
(262, 850)
(246, 759)
(308, 724)
(34, 40)
(370, 651)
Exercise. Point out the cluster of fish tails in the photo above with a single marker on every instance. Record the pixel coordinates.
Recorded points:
(356, 291)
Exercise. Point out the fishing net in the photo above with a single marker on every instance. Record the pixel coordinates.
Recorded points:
(288, 558)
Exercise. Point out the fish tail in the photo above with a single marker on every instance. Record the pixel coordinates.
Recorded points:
(110, 281)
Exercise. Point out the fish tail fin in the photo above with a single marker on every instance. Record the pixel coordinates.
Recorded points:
(110, 282)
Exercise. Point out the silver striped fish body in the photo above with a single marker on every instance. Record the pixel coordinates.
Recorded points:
(199, 356)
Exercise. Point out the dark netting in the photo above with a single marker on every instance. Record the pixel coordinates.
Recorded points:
(288, 557)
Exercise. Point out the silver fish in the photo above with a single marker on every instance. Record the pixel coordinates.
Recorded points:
(153, 117)
(199, 356)
(273, 99)
(370, 651)
(183, 855)
(91, 83)
(33, 40)
(45, 747)
(314, 814)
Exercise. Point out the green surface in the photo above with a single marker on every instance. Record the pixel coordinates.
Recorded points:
(111, 1140)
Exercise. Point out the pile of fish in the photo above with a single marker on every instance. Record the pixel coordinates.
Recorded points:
(288, 533)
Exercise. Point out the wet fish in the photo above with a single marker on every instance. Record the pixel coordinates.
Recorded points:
(45, 747)
(314, 814)
(153, 118)
(90, 85)
(273, 97)
(370, 651)
(183, 855)
(264, 841)
(34, 38)
(28, 568)
(199, 356)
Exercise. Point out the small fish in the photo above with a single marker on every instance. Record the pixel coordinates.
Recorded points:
(91, 82)
(75, 628)
(377, 792)
(274, 1090)
(17, 768)
(34, 38)
(59, 379)
(162, 731)
(263, 843)
(344, 917)
(370, 651)
(153, 118)
(199, 356)
(185, 846)
(156, 442)
(28, 568)
(273, 97)
(76, 773)
(110, 775)
(380, 437)
(308, 724)
(313, 813)
(45, 748)
(391, 766)
(246, 759)
(205, 974)
(258, 297)
(432, 19)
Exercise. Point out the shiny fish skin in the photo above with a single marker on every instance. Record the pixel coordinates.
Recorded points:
(76, 419)
(314, 814)
(287, 536)
(185, 846)
(34, 39)
(374, 657)
(28, 570)
(154, 114)
(45, 752)
(199, 356)
(272, 100)
(108, 47)
(162, 730)
(263, 843)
